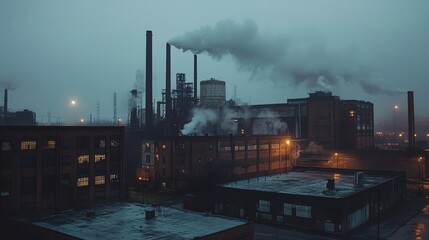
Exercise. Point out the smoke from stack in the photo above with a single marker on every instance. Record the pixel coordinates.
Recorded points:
(277, 57)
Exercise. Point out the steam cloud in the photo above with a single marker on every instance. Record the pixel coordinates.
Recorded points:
(277, 57)
(222, 121)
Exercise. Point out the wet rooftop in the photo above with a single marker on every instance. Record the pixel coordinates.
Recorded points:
(127, 221)
(311, 183)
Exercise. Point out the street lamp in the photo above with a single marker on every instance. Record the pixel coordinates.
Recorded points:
(336, 156)
(395, 108)
(287, 153)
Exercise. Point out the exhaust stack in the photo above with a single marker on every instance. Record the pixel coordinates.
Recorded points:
(167, 89)
(149, 111)
(411, 124)
(195, 78)
(5, 104)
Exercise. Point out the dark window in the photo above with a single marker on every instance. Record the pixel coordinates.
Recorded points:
(65, 160)
(163, 172)
(28, 161)
(163, 159)
(6, 146)
(148, 158)
(65, 143)
(83, 142)
(183, 159)
(5, 161)
(28, 185)
(48, 183)
(210, 146)
(48, 160)
(100, 143)
(65, 180)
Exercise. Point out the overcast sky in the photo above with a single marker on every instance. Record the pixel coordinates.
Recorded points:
(55, 51)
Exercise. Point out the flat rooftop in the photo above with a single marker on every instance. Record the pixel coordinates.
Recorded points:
(312, 182)
(127, 221)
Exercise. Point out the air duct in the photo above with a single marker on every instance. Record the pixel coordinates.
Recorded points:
(149, 111)
(411, 125)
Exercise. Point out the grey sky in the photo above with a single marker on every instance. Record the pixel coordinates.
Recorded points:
(53, 51)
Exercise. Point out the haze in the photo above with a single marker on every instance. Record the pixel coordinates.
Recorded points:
(52, 52)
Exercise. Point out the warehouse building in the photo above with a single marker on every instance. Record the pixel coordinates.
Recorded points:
(52, 168)
(135, 221)
(326, 200)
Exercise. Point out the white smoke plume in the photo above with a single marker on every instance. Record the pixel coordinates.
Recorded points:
(201, 117)
(277, 57)
(139, 83)
(269, 122)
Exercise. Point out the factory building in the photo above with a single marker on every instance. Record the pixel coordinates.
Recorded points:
(52, 168)
(133, 221)
(357, 124)
(196, 163)
(333, 201)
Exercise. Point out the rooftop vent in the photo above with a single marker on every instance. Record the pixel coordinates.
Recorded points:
(358, 180)
(150, 213)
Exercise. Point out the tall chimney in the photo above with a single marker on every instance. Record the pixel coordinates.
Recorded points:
(167, 90)
(149, 111)
(195, 78)
(5, 104)
(411, 125)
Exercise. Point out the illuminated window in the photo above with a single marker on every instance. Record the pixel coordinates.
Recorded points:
(352, 113)
(28, 145)
(50, 144)
(6, 146)
(164, 146)
(251, 147)
(81, 159)
(100, 180)
(264, 146)
(99, 157)
(275, 146)
(210, 146)
(264, 206)
(82, 182)
(114, 177)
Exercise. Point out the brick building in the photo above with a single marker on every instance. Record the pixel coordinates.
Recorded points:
(52, 168)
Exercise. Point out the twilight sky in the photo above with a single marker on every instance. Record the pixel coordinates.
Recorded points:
(53, 51)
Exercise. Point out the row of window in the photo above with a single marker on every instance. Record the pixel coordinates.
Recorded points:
(81, 159)
(288, 209)
(82, 142)
(98, 180)
(252, 147)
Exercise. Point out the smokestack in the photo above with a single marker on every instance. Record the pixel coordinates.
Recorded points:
(115, 116)
(195, 78)
(411, 125)
(167, 89)
(5, 104)
(149, 111)
(133, 117)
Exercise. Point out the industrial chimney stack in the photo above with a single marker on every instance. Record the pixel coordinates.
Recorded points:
(149, 111)
(167, 90)
(195, 78)
(411, 125)
(5, 104)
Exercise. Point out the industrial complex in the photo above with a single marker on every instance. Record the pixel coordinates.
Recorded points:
(299, 163)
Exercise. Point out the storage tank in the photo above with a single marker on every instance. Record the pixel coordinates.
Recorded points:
(212, 93)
